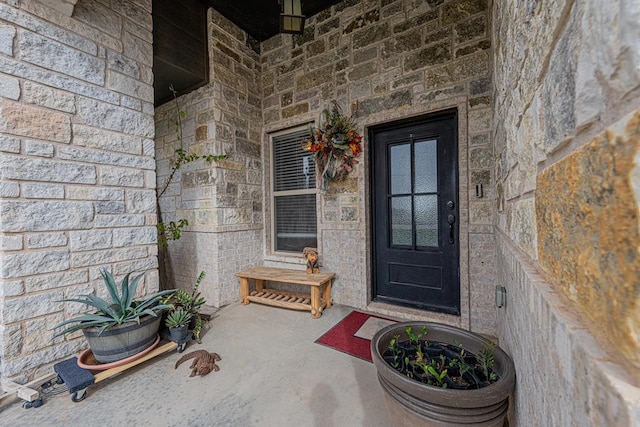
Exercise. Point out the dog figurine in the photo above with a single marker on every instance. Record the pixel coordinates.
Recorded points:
(311, 255)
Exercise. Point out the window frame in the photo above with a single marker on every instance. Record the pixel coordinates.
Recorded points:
(273, 193)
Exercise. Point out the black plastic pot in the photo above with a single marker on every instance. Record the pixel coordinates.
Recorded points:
(192, 323)
(412, 403)
(179, 335)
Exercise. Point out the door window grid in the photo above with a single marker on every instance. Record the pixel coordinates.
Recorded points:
(413, 194)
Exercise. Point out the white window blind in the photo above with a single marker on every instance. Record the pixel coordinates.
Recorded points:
(293, 193)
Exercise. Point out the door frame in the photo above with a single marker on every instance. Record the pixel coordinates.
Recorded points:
(459, 104)
(449, 115)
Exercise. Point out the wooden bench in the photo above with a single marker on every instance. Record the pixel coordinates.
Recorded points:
(315, 302)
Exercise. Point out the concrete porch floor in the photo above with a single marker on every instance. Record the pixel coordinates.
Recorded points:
(271, 374)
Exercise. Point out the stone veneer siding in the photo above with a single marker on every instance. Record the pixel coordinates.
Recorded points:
(221, 201)
(564, 376)
(396, 59)
(567, 87)
(77, 168)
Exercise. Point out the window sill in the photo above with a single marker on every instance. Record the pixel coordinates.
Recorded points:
(288, 258)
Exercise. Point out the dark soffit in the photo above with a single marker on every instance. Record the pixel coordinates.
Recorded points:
(260, 18)
(178, 47)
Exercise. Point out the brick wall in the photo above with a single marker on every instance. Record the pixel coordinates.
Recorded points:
(77, 169)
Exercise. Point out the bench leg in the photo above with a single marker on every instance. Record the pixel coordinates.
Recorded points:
(244, 290)
(326, 293)
(315, 302)
(259, 285)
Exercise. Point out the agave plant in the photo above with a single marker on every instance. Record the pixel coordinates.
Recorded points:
(122, 309)
(178, 318)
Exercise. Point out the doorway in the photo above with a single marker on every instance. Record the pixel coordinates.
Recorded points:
(415, 224)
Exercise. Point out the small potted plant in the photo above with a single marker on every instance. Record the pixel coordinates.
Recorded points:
(119, 328)
(191, 302)
(178, 321)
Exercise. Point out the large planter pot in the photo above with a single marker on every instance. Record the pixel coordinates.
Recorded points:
(122, 341)
(412, 403)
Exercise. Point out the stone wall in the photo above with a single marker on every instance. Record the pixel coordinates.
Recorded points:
(222, 201)
(396, 59)
(77, 169)
(596, 182)
(564, 376)
(567, 87)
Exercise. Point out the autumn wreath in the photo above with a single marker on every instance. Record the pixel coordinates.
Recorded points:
(335, 144)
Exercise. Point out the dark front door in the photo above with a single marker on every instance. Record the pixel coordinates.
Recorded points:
(415, 214)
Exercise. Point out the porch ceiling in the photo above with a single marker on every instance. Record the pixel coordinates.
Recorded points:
(259, 18)
(180, 36)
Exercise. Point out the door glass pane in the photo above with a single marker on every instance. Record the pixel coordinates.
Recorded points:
(427, 220)
(400, 161)
(426, 166)
(401, 221)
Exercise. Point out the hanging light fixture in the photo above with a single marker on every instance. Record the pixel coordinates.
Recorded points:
(291, 17)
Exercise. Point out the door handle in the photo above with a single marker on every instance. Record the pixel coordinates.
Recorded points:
(451, 220)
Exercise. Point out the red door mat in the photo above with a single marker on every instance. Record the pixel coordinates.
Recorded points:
(352, 335)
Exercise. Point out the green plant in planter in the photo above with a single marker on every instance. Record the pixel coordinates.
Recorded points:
(190, 302)
(414, 338)
(122, 308)
(462, 366)
(462, 363)
(393, 347)
(486, 360)
(438, 375)
(178, 318)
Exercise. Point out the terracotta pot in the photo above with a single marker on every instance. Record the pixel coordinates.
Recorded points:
(412, 403)
(122, 341)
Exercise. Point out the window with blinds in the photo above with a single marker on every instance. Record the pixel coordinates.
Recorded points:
(293, 192)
